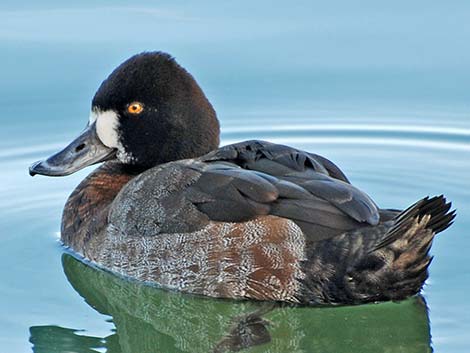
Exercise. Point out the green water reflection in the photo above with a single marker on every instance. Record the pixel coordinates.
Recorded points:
(148, 319)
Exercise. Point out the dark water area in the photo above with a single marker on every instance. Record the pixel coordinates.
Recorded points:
(383, 90)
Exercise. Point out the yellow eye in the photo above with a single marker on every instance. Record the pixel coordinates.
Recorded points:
(135, 108)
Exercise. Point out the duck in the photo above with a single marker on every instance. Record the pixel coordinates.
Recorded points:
(252, 220)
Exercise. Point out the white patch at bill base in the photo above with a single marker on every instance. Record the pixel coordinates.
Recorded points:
(107, 129)
(107, 123)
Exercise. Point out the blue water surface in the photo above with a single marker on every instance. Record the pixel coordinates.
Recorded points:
(381, 88)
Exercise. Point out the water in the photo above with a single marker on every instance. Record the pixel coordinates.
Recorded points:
(381, 90)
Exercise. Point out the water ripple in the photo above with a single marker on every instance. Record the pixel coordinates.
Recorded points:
(356, 127)
(433, 137)
(24, 151)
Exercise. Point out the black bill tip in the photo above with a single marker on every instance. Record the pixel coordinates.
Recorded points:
(35, 168)
(43, 168)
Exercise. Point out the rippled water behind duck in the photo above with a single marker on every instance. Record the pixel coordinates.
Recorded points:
(382, 94)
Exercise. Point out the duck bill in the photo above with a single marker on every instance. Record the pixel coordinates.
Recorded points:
(87, 149)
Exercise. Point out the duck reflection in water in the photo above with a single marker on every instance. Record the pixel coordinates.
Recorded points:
(148, 319)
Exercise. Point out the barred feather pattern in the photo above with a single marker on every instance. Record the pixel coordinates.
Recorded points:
(258, 259)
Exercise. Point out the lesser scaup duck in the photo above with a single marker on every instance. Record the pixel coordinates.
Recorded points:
(252, 220)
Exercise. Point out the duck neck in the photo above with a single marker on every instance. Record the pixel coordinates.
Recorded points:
(85, 212)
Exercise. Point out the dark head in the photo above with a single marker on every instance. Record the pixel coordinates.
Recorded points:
(148, 111)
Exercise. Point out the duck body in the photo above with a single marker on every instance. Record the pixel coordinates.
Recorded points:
(252, 220)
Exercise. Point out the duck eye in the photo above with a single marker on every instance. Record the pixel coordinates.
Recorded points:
(135, 108)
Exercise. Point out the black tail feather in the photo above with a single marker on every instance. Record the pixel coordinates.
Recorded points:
(386, 262)
(436, 208)
(405, 249)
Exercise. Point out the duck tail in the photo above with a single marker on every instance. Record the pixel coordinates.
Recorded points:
(397, 266)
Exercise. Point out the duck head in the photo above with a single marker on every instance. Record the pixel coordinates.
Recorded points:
(148, 111)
